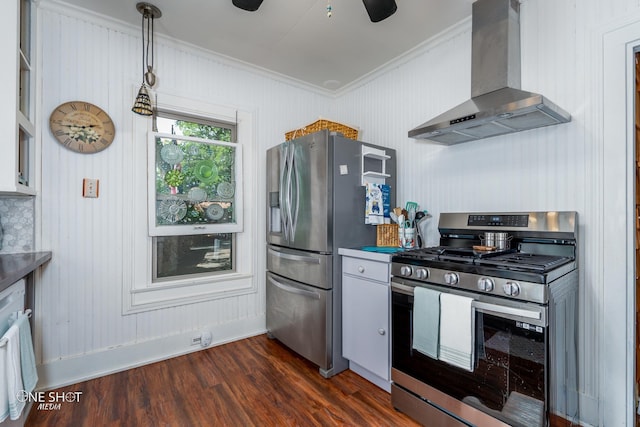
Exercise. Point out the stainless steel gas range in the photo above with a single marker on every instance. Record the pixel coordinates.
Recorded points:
(486, 335)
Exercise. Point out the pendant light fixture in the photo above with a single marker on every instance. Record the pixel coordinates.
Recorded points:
(142, 104)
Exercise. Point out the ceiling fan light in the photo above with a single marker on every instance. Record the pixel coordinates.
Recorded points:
(379, 10)
(250, 5)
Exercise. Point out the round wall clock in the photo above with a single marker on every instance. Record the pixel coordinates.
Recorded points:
(82, 127)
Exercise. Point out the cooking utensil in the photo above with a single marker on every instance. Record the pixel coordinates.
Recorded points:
(397, 211)
(394, 217)
(421, 228)
(412, 216)
(411, 205)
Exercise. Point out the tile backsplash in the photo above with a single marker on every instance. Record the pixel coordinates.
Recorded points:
(18, 224)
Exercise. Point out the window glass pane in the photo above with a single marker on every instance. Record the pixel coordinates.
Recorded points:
(194, 182)
(25, 29)
(200, 254)
(24, 92)
(175, 125)
(24, 142)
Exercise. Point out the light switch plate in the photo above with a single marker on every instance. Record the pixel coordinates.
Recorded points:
(90, 187)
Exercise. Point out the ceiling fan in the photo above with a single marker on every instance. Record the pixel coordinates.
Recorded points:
(377, 9)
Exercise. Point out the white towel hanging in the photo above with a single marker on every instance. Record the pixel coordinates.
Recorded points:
(3, 340)
(457, 331)
(12, 374)
(426, 321)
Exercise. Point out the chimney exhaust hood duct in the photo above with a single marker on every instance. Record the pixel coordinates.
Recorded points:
(497, 105)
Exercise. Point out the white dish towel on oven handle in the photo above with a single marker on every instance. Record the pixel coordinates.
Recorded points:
(457, 331)
(426, 321)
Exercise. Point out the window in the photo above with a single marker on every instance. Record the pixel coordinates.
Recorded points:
(192, 255)
(195, 196)
(178, 264)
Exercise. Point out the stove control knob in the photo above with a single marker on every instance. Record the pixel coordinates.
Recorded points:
(405, 271)
(451, 278)
(511, 289)
(485, 284)
(422, 273)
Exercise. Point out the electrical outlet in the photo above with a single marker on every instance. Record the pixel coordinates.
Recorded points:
(196, 340)
(90, 187)
(205, 338)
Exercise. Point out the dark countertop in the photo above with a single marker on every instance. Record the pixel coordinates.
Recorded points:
(14, 267)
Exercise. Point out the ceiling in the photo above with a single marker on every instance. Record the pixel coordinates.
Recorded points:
(295, 38)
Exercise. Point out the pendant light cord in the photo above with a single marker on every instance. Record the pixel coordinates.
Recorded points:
(146, 16)
(142, 26)
(149, 40)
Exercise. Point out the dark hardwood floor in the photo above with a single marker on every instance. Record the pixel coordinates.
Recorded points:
(252, 382)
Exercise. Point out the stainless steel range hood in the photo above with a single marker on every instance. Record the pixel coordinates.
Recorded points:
(497, 105)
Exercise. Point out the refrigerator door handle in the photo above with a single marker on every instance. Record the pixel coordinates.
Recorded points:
(293, 290)
(295, 194)
(291, 257)
(289, 190)
(283, 191)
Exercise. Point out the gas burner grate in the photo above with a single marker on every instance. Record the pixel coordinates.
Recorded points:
(525, 261)
(452, 253)
(427, 254)
(508, 259)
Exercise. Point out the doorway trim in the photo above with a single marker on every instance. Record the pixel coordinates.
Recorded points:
(617, 335)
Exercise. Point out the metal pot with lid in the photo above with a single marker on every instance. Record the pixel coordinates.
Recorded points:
(499, 240)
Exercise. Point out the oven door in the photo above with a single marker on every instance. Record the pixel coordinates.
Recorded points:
(509, 378)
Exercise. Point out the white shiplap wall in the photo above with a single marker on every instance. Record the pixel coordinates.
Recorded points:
(81, 328)
(560, 167)
(555, 168)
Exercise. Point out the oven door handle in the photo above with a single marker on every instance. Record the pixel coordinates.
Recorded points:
(479, 305)
(502, 309)
(403, 289)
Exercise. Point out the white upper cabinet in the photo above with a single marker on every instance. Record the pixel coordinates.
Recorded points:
(16, 104)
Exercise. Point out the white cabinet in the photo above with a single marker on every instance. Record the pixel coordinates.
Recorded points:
(366, 314)
(16, 104)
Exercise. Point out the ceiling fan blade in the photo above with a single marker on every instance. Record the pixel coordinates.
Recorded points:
(250, 5)
(380, 9)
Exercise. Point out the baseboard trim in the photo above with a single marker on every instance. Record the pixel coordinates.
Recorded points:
(73, 370)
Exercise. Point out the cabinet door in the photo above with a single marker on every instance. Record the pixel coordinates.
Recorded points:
(17, 163)
(365, 323)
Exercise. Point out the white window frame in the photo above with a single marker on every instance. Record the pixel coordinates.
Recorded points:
(140, 293)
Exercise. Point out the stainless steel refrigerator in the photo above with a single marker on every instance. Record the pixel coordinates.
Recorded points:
(315, 205)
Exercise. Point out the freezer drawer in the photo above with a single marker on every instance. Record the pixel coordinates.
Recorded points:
(307, 267)
(300, 317)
